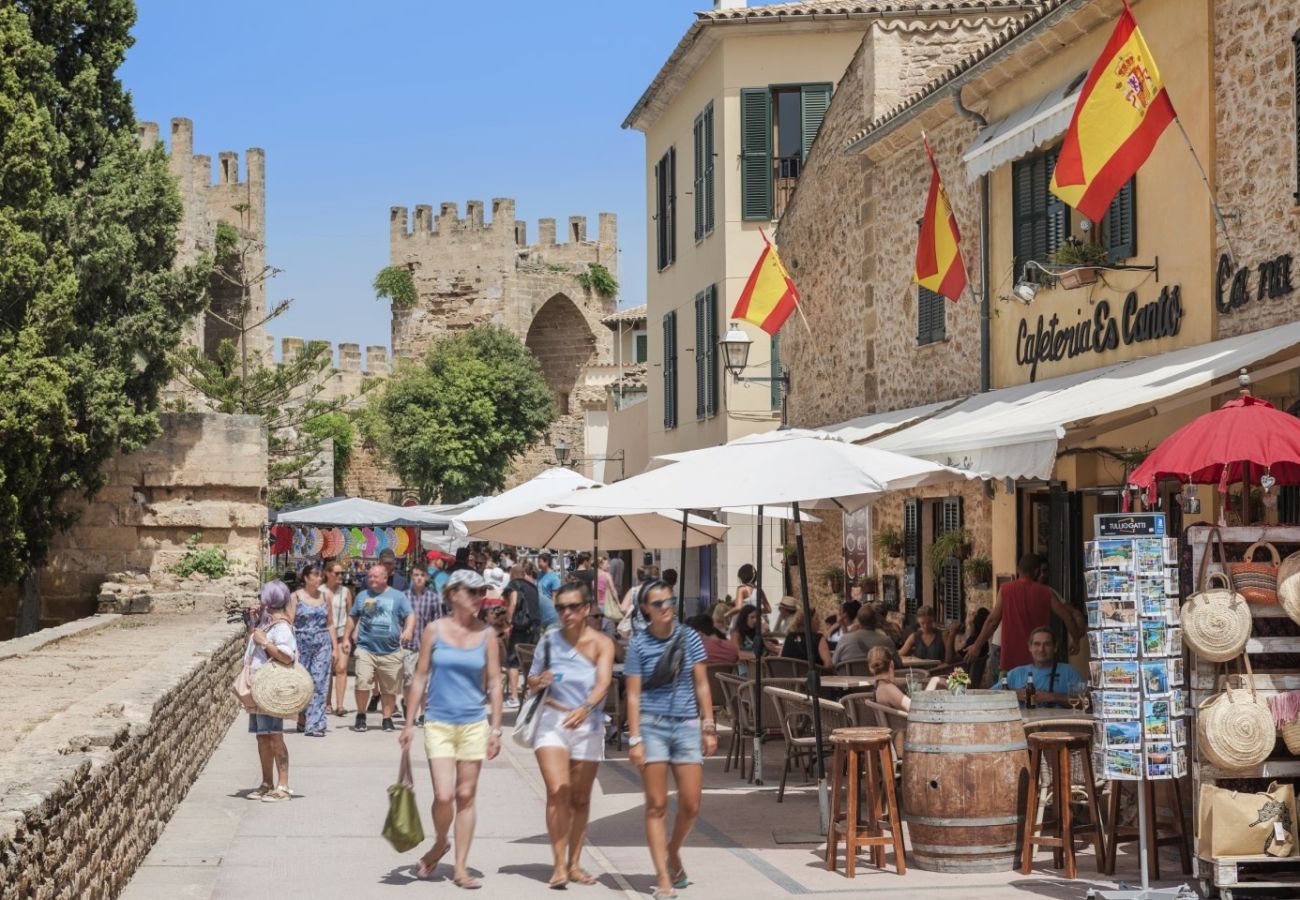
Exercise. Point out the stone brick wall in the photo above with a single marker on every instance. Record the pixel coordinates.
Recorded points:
(77, 820)
(1254, 99)
(206, 473)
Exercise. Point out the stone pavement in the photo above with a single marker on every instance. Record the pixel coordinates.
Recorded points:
(325, 842)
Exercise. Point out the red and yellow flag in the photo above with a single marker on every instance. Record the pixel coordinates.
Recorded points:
(939, 265)
(1122, 111)
(769, 296)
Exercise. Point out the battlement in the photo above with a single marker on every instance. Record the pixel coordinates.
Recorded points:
(448, 224)
(346, 359)
(181, 149)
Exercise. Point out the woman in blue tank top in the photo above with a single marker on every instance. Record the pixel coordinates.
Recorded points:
(574, 665)
(458, 655)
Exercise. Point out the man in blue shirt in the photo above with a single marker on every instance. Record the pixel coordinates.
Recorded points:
(1052, 680)
(547, 584)
(381, 620)
(438, 562)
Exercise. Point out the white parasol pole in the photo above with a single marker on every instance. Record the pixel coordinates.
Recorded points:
(757, 772)
(814, 675)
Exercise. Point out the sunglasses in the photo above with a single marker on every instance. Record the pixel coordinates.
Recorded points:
(660, 604)
(563, 608)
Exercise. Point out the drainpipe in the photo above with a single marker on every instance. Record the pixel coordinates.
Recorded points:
(986, 375)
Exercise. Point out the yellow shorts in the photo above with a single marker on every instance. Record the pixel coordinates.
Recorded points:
(463, 743)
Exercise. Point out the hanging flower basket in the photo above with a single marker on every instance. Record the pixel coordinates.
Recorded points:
(1077, 278)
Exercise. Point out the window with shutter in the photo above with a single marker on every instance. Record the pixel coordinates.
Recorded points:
(1119, 227)
(911, 555)
(661, 259)
(931, 313)
(1295, 42)
(666, 208)
(670, 370)
(1040, 221)
(711, 350)
(950, 592)
(755, 154)
(815, 99)
(708, 168)
(776, 372)
(672, 205)
(697, 183)
(701, 379)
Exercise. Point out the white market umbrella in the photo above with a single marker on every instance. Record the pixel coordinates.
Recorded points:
(579, 526)
(547, 487)
(357, 512)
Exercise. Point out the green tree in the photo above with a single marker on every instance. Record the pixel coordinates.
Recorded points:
(90, 306)
(450, 424)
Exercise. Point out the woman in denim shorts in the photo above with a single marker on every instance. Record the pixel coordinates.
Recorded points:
(664, 727)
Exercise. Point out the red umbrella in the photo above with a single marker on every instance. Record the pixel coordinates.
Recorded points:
(1245, 437)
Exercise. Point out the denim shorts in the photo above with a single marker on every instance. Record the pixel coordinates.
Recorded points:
(672, 739)
(260, 724)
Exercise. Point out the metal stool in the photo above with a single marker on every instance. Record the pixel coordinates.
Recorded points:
(1175, 834)
(854, 749)
(1054, 747)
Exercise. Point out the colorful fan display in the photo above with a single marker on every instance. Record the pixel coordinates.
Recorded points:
(330, 543)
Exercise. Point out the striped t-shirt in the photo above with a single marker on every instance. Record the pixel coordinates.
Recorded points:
(676, 699)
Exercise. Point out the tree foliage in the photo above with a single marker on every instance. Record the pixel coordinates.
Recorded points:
(90, 306)
(450, 424)
(396, 284)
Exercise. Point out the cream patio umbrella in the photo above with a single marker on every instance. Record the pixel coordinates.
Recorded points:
(799, 468)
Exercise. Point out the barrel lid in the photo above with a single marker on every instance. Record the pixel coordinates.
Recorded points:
(970, 700)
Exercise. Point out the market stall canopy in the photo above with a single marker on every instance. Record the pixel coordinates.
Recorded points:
(811, 468)
(359, 512)
(1017, 431)
(532, 495)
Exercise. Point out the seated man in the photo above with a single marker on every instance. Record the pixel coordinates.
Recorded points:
(855, 644)
(1052, 679)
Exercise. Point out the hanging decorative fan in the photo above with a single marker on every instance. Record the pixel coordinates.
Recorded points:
(281, 540)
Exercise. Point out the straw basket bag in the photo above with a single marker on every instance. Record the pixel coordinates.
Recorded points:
(1234, 728)
(1286, 716)
(1257, 581)
(1288, 586)
(282, 690)
(1216, 620)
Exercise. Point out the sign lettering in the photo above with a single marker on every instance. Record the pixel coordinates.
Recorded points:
(1232, 288)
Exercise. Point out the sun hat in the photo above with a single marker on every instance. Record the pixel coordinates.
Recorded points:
(467, 579)
(788, 604)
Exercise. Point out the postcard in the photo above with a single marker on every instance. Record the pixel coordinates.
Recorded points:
(1158, 753)
(1155, 639)
(1124, 735)
(1175, 670)
(1094, 671)
(1155, 677)
(1176, 707)
(1090, 580)
(1094, 613)
(1149, 555)
(1171, 582)
(1178, 732)
(1119, 644)
(1122, 764)
(1175, 637)
(1157, 727)
(1115, 554)
(1116, 704)
(1114, 581)
(1118, 613)
(1094, 643)
(1171, 552)
(1119, 674)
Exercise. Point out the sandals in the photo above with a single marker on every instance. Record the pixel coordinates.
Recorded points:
(260, 791)
(579, 875)
(663, 895)
(680, 879)
(315, 734)
(425, 869)
(468, 882)
(276, 795)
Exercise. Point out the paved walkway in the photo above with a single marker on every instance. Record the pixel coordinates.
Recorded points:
(325, 842)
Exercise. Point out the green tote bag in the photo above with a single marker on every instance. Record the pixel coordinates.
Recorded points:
(402, 828)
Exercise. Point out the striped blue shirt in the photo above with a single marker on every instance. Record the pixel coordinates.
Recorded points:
(676, 699)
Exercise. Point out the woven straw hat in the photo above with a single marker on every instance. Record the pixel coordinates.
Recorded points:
(1235, 729)
(1288, 585)
(1216, 621)
(280, 690)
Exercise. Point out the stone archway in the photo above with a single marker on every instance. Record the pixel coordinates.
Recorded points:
(561, 339)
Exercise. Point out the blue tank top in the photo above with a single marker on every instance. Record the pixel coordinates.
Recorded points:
(575, 676)
(456, 684)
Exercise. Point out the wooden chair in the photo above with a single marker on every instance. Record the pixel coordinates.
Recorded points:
(793, 710)
(730, 686)
(716, 692)
(857, 749)
(1056, 748)
(852, 667)
(781, 667)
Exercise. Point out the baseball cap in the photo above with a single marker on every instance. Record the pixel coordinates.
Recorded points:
(466, 578)
(434, 555)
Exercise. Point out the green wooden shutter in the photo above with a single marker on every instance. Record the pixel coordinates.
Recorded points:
(661, 259)
(672, 205)
(670, 370)
(1119, 227)
(814, 100)
(711, 350)
(1058, 213)
(952, 588)
(708, 168)
(1023, 219)
(911, 555)
(1040, 220)
(755, 154)
(701, 387)
(775, 372)
(930, 316)
(1295, 41)
(697, 141)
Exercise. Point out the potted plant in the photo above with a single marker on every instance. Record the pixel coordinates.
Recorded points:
(949, 545)
(790, 554)
(981, 572)
(958, 681)
(834, 577)
(889, 541)
(868, 584)
(1079, 261)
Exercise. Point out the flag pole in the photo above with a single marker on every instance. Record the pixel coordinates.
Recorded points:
(1205, 180)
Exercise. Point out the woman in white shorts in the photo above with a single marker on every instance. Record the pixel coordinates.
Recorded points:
(575, 663)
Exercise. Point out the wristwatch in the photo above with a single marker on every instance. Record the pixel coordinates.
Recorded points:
(634, 740)
(495, 732)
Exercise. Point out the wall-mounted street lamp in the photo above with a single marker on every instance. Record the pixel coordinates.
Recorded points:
(735, 346)
(565, 458)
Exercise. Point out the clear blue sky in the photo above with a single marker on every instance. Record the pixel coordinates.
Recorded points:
(361, 107)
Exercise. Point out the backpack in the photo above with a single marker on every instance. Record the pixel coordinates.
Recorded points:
(528, 609)
(669, 665)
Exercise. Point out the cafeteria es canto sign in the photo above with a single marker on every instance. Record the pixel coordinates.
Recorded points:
(1052, 341)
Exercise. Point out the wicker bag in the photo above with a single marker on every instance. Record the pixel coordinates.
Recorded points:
(1216, 620)
(282, 690)
(1286, 716)
(1288, 586)
(1234, 728)
(1257, 581)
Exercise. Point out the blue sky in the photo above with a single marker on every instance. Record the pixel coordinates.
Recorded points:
(361, 107)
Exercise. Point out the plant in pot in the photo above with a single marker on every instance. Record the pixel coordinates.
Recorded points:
(958, 681)
(790, 553)
(980, 569)
(1079, 262)
(889, 541)
(949, 545)
(834, 577)
(868, 584)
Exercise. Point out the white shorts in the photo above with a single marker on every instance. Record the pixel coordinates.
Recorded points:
(586, 743)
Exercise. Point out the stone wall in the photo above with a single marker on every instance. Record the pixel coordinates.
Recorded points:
(1254, 85)
(85, 795)
(206, 474)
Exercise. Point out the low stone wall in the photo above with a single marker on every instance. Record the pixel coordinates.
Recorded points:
(78, 816)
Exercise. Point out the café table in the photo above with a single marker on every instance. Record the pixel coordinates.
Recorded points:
(1056, 714)
(845, 683)
(916, 662)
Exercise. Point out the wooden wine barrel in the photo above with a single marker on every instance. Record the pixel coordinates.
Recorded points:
(965, 769)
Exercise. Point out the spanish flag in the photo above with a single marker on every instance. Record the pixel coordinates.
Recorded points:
(769, 296)
(1122, 111)
(939, 265)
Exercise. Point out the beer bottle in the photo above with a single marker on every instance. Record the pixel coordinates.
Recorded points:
(1029, 692)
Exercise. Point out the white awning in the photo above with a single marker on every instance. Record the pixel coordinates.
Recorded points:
(1016, 431)
(864, 428)
(1024, 131)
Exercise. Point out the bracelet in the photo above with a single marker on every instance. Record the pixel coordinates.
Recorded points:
(495, 732)
(709, 725)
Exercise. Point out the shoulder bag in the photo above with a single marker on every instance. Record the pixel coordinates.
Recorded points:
(1257, 581)
(402, 828)
(1216, 619)
(669, 665)
(1234, 728)
(243, 684)
(529, 717)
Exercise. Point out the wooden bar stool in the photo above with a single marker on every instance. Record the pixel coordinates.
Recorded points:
(1055, 747)
(872, 749)
(1175, 832)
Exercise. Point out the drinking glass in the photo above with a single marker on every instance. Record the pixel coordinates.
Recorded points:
(1076, 696)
